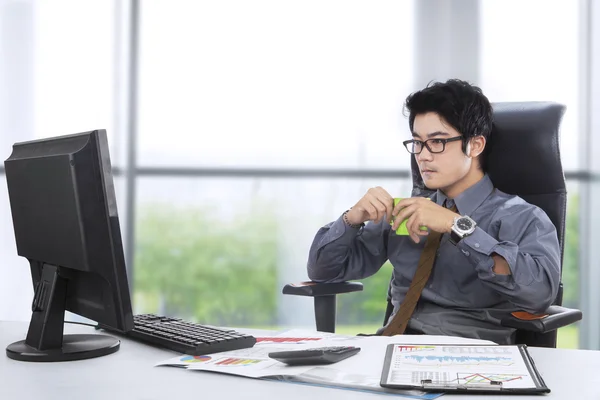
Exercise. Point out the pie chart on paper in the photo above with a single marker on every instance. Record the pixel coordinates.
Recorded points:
(194, 359)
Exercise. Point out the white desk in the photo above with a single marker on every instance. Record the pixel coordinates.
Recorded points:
(129, 374)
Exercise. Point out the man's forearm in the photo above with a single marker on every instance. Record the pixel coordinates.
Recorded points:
(340, 252)
(500, 267)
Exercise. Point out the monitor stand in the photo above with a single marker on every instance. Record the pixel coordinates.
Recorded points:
(45, 341)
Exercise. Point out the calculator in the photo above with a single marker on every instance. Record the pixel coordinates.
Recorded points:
(316, 356)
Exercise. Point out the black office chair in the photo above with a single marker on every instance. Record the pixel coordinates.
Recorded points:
(524, 159)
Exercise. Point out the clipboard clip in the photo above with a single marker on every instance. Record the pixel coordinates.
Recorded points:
(431, 385)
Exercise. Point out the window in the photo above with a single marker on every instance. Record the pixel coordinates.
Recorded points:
(274, 84)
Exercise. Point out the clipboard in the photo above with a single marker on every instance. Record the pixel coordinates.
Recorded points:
(456, 368)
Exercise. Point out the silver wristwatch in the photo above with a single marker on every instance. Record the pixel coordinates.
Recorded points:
(463, 226)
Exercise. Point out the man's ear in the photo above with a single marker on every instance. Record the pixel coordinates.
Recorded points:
(475, 146)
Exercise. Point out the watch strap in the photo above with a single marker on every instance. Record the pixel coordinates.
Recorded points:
(454, 238)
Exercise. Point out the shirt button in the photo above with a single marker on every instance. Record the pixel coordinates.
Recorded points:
(466, 253)
(477, 245)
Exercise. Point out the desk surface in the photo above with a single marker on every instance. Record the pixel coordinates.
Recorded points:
(129, 374)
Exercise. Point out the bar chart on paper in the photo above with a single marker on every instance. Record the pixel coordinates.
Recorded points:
(438, 361)
(455, 356)
(287, 339)
(237, 362)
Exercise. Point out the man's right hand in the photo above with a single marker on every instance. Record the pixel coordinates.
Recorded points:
(374, 206)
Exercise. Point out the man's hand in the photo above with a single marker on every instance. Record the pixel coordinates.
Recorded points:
(422, 212)
(373, 206)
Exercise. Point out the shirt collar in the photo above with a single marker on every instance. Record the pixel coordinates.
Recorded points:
(470, 199)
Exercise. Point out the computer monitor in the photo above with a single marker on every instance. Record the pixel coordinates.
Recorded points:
(66, 224)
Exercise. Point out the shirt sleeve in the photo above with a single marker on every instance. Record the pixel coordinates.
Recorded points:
(527, 240)
(340, 253)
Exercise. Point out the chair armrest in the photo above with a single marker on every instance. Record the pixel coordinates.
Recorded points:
(313, 289)
(555, 317)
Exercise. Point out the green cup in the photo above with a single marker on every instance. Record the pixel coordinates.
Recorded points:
(402, 230)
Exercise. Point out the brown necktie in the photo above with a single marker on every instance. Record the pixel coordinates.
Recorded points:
(398, 324)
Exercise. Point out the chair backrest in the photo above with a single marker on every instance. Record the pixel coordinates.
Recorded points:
(524, 159)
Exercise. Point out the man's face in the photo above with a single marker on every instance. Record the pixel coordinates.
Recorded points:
(439, 170)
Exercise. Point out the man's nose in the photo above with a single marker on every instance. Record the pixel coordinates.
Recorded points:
(425, 154)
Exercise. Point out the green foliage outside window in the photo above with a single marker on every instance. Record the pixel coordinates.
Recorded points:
(193, 266)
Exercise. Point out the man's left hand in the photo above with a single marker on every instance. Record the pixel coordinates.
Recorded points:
(422, 212)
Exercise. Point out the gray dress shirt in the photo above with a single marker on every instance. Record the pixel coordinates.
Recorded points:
(463, 296)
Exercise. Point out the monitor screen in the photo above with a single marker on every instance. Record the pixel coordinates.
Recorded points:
(66, 225)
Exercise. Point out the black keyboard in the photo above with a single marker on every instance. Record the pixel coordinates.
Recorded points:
(187, 337)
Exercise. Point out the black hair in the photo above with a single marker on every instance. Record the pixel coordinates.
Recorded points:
(458, 103)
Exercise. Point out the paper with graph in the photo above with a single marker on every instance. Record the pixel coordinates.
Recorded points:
(461, 367)
(360, 372)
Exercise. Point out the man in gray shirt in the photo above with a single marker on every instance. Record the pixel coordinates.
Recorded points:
(498, 254)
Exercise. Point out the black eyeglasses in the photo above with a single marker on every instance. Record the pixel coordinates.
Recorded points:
(434, 145)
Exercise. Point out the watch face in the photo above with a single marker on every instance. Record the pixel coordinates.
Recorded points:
(464, 224)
